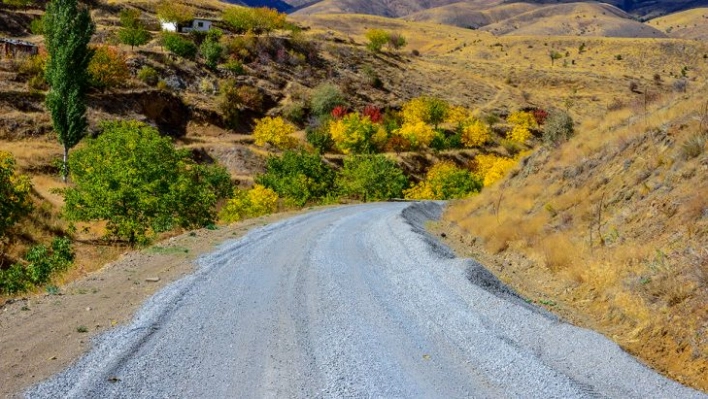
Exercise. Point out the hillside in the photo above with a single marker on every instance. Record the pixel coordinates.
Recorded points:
(689, 24)
(575, 19)
(645, 9)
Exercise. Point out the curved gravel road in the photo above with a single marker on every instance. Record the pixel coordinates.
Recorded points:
(350, 302)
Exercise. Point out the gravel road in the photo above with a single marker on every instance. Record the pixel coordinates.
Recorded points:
(350, 302)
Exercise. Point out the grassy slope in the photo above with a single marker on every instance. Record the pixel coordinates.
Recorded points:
(690, 24)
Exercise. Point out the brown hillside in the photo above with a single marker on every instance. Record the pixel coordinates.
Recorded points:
(575, 19)
(690, 24)
(384, 8)
(472, 14)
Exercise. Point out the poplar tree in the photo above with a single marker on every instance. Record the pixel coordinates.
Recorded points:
(68, 30)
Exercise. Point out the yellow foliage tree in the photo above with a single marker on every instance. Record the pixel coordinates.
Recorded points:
(419, 134)
(415, 110)
(523, 123)
(444, 180)
(523, 118)
(457, 116)
(491, 168)
(519, 134)
(275, 131)
(353, 133)
(475, 133)
(255, 202)
(15, 191)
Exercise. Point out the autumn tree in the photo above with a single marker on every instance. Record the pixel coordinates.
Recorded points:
(132, 31)
(108, 67)
(371, 178)
(475, 133)
(258, 201)
(353, 133)
(377, 38)
(68, 30)
(275, 131)
(443, 181)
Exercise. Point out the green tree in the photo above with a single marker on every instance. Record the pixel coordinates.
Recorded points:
(298, 177)
(377, 38)
(136, 180)
(178, 45)
(371, 178)
(14, 193)
(67, 31)
(132, 31)
(212, 51)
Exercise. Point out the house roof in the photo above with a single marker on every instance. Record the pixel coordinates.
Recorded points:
(17, 42)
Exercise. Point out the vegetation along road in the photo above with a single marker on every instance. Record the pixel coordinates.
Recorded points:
(351, 301)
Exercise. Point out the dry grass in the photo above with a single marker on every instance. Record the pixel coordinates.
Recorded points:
(618, 238)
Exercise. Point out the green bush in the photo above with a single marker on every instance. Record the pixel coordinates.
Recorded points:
(325, 98)
(371, 178)
(40, 263)
(319, 137)
(178, 45)
(148, 75)
(559, 127)
(298, 176)
(15, 190)
(212, 52)
(137, 182)
(37, 26)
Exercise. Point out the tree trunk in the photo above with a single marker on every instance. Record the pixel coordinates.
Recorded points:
(65, 165)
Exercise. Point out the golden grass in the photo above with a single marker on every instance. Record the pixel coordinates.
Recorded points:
(616, 234)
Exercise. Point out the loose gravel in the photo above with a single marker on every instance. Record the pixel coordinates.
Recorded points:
(355, 301)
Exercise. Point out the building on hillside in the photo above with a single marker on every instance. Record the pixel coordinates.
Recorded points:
(10, 48)
(197, 24)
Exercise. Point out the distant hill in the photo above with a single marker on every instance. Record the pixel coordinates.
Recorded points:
(574, 19)
(644, 9)
(690, 24)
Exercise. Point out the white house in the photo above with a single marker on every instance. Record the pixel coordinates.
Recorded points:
(198, 24)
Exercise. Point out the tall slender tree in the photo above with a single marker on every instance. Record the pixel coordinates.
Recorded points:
(68, 30)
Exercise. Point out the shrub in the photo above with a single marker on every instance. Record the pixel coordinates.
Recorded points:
(430, 110)
(373, 113)
(371, 178)
(475, 133)
(418, 134)
(523, 122)
(518, 134)
(211, 51)
(353, 133)
(258, 201)
(37, 26)
(178, 45)
(148, 75)
(232, 97)
(107, 67)
(15, 190)
(559, 127)
(491, 168)
(445, 181)
(396, 41)
(377, 38)
(39, 264)
(274, 131)
(694, 146)
(298, 176)
(234, 66)
(132, 31)
(319, 137)
(138, 183)
(295, 112)
(325, 98)
(257, 20)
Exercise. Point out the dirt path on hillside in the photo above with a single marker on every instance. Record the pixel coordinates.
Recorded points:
(42, 335)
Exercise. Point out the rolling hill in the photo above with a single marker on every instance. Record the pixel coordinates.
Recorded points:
(690, 24)
(644, 9)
